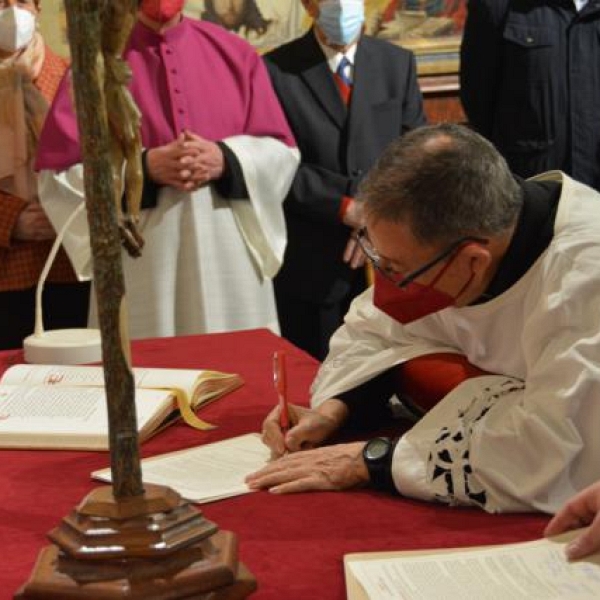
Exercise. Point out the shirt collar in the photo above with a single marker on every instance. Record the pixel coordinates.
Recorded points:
(333, 57)
(580, 4)
(149, 37)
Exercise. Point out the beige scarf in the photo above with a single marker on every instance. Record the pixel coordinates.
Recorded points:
(22, 113)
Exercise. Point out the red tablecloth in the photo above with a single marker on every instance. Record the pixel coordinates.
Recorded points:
(292, 544)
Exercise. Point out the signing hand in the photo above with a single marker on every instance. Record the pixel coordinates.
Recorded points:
(33, 225)
(580, 511)
(308, 427)
(330, 468)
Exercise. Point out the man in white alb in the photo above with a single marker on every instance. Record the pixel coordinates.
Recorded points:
(474, 262)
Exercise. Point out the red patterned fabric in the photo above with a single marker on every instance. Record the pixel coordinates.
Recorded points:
(292, 544)
(21, 262)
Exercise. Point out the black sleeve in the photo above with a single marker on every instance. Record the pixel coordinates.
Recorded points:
(367, 404)
(480, 61)
(150, 189)
(232, 184)
(413, 115)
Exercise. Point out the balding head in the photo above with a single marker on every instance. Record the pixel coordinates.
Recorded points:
(446, 181)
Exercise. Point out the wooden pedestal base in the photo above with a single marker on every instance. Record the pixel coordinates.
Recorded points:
(153, 547)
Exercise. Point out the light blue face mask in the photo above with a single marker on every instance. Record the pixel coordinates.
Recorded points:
(341, 20)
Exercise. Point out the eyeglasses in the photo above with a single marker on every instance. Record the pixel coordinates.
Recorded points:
(402, 281)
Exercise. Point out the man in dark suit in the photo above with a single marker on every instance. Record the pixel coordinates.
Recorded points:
(346, 96)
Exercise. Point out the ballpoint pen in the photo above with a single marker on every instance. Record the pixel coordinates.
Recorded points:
(280, 381)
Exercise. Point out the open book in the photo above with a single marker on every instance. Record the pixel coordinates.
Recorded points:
(47, 406)
(205, 473)
(537, 569)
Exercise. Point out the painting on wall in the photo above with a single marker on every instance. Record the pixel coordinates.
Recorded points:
(430, 28)
(264, 23)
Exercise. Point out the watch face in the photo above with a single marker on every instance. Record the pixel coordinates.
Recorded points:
(376, 448)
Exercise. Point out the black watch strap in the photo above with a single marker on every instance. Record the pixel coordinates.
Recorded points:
(377, 454)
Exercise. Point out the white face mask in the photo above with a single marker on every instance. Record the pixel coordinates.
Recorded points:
(17, 27)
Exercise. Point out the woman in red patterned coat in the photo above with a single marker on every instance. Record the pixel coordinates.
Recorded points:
(29, 76)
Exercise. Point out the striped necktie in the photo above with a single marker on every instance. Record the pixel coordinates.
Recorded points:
(343, 79)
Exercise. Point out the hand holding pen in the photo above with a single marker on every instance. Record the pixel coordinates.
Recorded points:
(289, 427)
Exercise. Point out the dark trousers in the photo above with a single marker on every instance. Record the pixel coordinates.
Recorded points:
(65, 305)
(309, 325)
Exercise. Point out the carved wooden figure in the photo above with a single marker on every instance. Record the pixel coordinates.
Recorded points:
(123, 119)
(129, 541)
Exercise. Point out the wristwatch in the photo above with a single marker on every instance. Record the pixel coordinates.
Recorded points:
(377, 455)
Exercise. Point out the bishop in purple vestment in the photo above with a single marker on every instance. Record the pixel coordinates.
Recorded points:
(218, 161)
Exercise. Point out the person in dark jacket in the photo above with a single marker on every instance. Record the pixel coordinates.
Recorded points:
(346, 96)
(530, 83)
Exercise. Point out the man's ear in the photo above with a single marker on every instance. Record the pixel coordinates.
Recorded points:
(479, 259)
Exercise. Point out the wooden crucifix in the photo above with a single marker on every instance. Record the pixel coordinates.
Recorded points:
(129, 540)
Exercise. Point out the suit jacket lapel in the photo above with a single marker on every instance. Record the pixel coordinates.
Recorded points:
(319, 79)
(367, 86)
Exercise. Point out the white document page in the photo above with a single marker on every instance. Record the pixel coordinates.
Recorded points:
(205, 473)
(94, 376)
(32, 414)
(528, 571)
(54, 375)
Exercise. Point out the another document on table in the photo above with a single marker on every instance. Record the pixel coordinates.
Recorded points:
(524, 571)
(199, 385)
(205, 473)
(58, 406)
(72, 418)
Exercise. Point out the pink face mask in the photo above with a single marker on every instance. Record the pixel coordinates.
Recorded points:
(161, 11)
(414, 301)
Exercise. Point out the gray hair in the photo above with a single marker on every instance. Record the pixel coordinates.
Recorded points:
(446, 182)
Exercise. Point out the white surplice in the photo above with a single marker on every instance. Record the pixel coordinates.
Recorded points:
(207, 262)
(529, 437)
